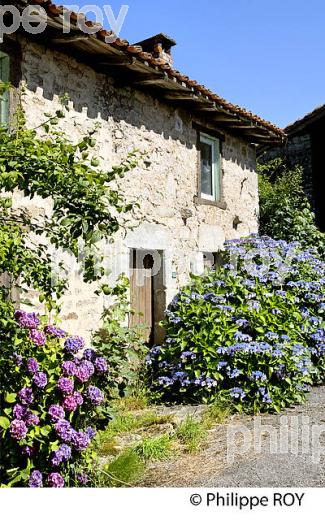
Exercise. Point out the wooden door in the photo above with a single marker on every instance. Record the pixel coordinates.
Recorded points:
(141, 288)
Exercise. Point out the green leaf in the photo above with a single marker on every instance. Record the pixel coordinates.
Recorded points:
(4, 423)
(10, 398)
(45, 431)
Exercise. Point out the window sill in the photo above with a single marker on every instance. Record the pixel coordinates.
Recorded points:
(206, 202)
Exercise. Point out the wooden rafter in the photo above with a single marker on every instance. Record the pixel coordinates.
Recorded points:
(70, 39)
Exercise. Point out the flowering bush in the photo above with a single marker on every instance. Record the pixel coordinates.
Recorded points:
(252, 331)
(52, 403)
(51, 394)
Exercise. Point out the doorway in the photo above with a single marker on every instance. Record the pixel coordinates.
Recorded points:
(147, 292)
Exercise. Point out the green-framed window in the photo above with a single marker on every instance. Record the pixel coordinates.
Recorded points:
(210, 168)
(4, 96)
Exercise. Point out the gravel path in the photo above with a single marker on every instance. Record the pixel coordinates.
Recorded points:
(291, 468)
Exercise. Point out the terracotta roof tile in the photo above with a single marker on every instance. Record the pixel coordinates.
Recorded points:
(145, 55)
(53, 9)
(136, 50)
(120, 43)
(157, 61)
(101, 35)
(166, 67)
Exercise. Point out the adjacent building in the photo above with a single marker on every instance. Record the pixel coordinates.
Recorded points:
(304, 147)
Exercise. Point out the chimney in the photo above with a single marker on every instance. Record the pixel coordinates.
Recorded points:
(160, 46)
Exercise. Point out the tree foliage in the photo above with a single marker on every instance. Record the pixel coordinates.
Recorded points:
(285, 210)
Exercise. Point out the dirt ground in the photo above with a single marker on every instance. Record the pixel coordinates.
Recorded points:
(298, 440)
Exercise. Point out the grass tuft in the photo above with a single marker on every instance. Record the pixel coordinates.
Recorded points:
(123, 471)
(129, 422)
(152, 419)
(192, 434)
(157, 448)
(106, 444)
(124, 424)
(217, 413)
(132, 403)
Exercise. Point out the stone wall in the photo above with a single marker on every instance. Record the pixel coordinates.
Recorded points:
(164, 184)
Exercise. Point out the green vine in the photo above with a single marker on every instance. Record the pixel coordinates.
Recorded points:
(42, 161)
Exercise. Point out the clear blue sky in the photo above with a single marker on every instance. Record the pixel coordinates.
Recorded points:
(265, 55)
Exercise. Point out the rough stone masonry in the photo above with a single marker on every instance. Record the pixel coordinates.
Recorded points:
(164, 185)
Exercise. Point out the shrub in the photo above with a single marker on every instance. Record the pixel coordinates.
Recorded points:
(253, 335)
(85, 212)
(293, 219)
(43, 161)
(121, 344)
(53, 400)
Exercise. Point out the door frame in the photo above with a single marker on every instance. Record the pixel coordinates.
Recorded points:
(158, 290)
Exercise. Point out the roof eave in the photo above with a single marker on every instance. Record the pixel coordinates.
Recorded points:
(307, 121)
(140, 70)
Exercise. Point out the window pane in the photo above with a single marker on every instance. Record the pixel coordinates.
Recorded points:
(206, 169)
(4, 98)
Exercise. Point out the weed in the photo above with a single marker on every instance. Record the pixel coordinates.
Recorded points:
(157, 448)
(191, 433)
(129, 422)
(106, 444)
(123, 423)
(217, 413)
(152, 419)
(134, 402)
(122, 471)
(126, 423)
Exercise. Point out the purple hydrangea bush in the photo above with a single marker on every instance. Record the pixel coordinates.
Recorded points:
(250, 332)
(55, 401)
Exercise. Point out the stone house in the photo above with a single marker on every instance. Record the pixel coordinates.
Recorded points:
(304, 147)
(198, 186)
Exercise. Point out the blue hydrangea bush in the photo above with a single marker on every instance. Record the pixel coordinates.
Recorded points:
(53, 399)
(251, 332)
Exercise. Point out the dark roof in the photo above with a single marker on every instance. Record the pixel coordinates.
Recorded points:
(306, 121)
(166, 41)
(141, 70)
